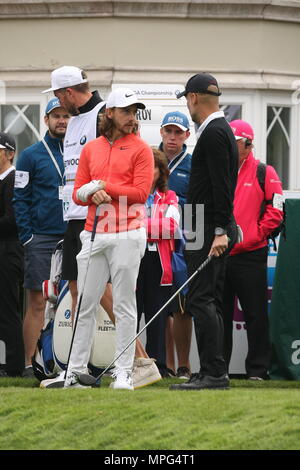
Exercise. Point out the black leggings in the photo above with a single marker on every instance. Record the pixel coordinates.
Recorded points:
(150, 296)
(246, 277)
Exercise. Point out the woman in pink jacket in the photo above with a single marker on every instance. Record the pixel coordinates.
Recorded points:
(258, 212)
(155, 276)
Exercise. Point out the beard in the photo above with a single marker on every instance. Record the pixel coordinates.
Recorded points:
(72, 109)
(59, 134)
(125, 129)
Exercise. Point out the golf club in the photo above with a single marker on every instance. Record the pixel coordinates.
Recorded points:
(60, 383)
(86, 379)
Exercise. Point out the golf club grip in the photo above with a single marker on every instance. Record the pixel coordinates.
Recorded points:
(95, 223)
(202, 266)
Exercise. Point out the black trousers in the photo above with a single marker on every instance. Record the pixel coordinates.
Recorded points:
(204, 303)
(11, 329)
(246, 278)
(151, 296)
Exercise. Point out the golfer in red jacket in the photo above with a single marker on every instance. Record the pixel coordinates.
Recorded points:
(116, 172)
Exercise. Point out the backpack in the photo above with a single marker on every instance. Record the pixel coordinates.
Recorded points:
(261, 177)
(179, 267)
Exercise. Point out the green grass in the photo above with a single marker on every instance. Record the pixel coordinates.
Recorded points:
(264, 415)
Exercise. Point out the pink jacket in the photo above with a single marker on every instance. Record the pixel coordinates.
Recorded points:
(161, 228)
(247, 203)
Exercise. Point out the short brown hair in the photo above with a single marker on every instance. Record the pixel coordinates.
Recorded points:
(161, 162)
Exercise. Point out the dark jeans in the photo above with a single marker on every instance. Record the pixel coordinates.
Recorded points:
(246, 277)
(11, 330)
(204, 302)
(151, 296)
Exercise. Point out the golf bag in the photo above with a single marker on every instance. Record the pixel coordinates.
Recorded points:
(53, 346)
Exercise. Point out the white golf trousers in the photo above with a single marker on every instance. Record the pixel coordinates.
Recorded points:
(116, 256)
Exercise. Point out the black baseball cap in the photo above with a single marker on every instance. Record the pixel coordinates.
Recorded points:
(200, 83)
(7, 142)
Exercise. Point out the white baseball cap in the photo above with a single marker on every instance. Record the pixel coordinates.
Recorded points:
(64, 77)
(123, 97)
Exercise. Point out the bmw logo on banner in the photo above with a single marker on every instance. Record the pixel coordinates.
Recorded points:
(83, 140)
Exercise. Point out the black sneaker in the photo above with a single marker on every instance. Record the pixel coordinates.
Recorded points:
(204, 382)
(171, 373)
(3, 373)
(28, 373)
(183, 373)
(166, 373)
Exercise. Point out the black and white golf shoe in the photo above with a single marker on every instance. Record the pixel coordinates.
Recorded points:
(57, 382)
(73, 382)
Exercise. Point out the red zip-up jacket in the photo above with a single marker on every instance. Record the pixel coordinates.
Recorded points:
(247, 205)
(161, 228)
(127, 168)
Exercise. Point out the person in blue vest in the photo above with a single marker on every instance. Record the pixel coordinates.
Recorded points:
(39, 216)
(174, 133)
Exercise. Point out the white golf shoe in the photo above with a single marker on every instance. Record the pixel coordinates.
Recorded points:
(123, 380)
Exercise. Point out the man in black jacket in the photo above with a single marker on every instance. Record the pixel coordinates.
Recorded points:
(212, 184)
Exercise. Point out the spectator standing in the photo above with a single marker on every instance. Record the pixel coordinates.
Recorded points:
(212, 184)
(258, 213)
(39, 216)
(11, 267)
(174, 133)
(155, 278)
(115, 170)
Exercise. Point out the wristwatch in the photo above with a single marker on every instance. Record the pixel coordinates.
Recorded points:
(220, 231)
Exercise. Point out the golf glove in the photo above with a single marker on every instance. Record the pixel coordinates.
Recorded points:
(88, 190)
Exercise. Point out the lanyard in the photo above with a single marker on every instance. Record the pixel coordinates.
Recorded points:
(177, 163)
(53, 159)
(149, 203)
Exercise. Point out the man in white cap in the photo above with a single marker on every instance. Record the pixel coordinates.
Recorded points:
(39, 216)
(116, 172)
(70, 85)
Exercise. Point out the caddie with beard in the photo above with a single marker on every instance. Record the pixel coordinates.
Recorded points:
(70, 85)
